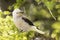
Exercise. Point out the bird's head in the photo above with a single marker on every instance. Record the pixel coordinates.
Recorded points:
(18, 12)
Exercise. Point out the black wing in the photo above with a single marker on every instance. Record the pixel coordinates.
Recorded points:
(28, 21)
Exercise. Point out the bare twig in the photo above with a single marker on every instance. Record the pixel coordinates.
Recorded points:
(51, 13)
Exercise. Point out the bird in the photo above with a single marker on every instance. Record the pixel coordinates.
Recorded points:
(22, 22)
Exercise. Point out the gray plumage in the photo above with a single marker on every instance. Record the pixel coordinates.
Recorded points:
(23, 23)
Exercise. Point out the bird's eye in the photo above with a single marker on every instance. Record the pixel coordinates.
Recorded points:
(22, 12)
(17, 12)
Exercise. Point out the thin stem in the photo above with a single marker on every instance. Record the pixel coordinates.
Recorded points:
(51, 13)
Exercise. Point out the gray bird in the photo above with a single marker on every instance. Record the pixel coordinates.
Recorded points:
(23, 23)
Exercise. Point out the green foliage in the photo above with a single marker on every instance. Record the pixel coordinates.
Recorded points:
(45, 13)
(58, 18)
(49, 4)
(56, 25)
(57, 6)
(41, 15)
(0, 14)
(37, 1)
(56, 32)
(8, 30)
(18, 3)
(6, 12)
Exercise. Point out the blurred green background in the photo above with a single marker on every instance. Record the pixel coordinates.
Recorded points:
(45, 14)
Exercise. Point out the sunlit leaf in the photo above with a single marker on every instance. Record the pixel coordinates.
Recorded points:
(56, 25)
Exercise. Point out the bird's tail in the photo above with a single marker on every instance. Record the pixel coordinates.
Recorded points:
(35, 29)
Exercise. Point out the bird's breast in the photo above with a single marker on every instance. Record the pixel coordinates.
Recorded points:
(21, 24)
